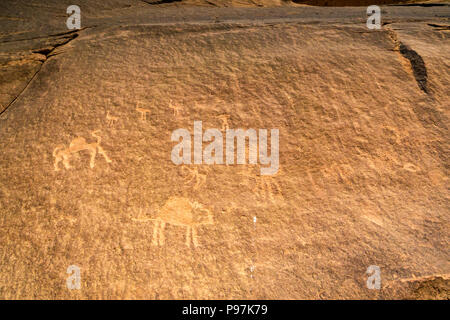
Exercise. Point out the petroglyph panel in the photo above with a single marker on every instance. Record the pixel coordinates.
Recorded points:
(363, 172)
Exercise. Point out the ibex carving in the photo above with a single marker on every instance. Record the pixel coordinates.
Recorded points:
(143, 113)
(111, 119)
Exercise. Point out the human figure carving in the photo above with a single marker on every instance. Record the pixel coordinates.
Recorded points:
(180, 211)
(61, 153)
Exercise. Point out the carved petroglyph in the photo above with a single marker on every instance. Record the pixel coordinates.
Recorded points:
(193, 175)
(111, 119)
(398, 134)
(374, 219)
(143, 113)
(180, 211)
(175, 109)
(141, 217)
(61, 153)
(265, 187)
(224, 118)
(410, 167)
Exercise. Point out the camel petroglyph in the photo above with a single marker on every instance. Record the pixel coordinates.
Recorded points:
(180, 211)
(61, 153)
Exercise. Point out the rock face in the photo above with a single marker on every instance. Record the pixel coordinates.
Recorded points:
(87, 179)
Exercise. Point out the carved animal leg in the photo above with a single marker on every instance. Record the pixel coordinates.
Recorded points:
(311, 179)
(103, 153)
(192, 178)
(194, 237)
(155, 239)
(66, 162)
(277, 186)
(161, 232)
(201, 179)
(188, 236)
(262, 191)
(57, 161)
(93, 154)
(197, 182)
(269, 191)
(258, 189)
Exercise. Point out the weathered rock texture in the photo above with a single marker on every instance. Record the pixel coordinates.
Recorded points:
(363, 120)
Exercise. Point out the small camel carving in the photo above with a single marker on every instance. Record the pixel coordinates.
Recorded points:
(61, 153)
(143, 113)
(111, 119)
(182, 212)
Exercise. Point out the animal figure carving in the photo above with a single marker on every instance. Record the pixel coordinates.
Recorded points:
(193, 175)
(224, 118)
(175, 109)
(143, 113)
(179, 211)
(61, 153)
(111, 119)
(263, 186)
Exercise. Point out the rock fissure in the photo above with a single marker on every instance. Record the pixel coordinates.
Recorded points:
(418, 66)
(46, 52)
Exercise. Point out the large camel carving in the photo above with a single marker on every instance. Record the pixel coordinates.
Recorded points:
(61, 153)
(182, 212)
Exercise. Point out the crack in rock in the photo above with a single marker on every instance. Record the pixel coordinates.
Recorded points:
(417, 64)
(438, 26)
(47, 52)
(160, 1)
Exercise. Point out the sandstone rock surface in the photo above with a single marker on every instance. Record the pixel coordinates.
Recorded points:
(86, 176)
